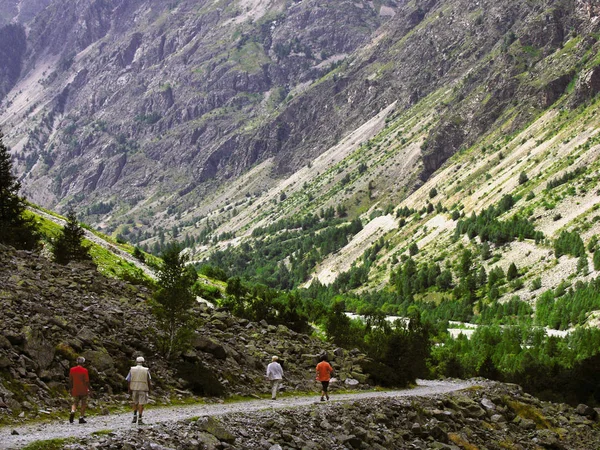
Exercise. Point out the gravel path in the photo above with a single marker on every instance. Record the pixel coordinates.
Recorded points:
(31, 433)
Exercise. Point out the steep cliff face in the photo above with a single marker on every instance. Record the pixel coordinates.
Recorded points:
(12, 51)
(133, 91)
(20, 11)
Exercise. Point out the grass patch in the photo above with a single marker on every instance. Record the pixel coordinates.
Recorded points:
(50, 444)
(102, 432)
(458, 440)
(530, 412)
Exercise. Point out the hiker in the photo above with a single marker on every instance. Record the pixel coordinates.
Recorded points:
(275, 374)
(324, 374)
(79, 385)
(138, 385)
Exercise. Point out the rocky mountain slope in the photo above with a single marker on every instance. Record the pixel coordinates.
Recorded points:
(114, 98)
(53, 313)
(510, 108)
(143, 110)
(184, 120)
(20, 11)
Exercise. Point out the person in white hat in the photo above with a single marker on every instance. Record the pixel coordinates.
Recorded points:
(138, 385)
(275, 374)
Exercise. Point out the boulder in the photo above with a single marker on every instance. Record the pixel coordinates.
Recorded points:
(39, 349)
(585, 410)
(207, 441)
(99, 359)
(207, 345)
(214, 427)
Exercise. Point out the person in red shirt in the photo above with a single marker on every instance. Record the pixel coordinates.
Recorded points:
(79, 384)
(324, 374)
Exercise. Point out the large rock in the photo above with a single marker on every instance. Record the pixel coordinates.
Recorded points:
(99, 359)
(39, 349)
(208, 345)
(214, 427)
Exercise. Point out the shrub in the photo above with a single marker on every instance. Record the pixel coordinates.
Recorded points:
(523, 178)
(536, 284)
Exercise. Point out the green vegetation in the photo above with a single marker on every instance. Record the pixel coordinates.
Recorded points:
(18, 229)
(283, 254)
(569, 243)
(50, 444)
(69, 246)
(560, 309)
(568, 176)
(551, 368)
(489, 228)
(173, 301)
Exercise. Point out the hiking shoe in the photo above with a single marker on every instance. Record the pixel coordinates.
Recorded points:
(140, 422)
(71, 417)
(134, 419)
(328, 398)
(322, 399)
(82, 420)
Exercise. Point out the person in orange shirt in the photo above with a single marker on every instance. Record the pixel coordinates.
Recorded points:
(79, 383)
(324, 374)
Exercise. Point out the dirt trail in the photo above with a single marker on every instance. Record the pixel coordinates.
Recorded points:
(120, 422)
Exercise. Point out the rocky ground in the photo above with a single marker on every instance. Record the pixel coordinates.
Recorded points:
(53, 313)
(483, 416)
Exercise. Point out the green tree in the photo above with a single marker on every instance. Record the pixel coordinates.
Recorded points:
(592, 244)
(466, 263)
(523, 178)
(512, 272)
(582, 265)
(173, 301)
(68, 246)
(137, 253)
(596, 260)
(16, 229)
(413, 249)
(486, 253)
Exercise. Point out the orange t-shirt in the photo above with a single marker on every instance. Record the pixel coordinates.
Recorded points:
(324, 371)
(80, 381)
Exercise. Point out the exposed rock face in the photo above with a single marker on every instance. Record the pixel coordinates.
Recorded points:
(493, 416)
(52, 313)
(146, 99)
(136, 91)
(12, 51)
(20, 11)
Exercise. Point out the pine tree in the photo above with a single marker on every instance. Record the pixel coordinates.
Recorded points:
(69, 244)
(512, 272)
(174, 299)
(15, 228)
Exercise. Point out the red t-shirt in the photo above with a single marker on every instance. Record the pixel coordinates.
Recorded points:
(80, 381)
(324, 371)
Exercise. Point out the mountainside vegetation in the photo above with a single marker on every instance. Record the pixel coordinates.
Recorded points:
(429, 165)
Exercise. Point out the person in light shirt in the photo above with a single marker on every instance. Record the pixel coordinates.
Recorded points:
(275, 374)
(138, 385)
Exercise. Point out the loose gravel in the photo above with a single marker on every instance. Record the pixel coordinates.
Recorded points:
(120, 422)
